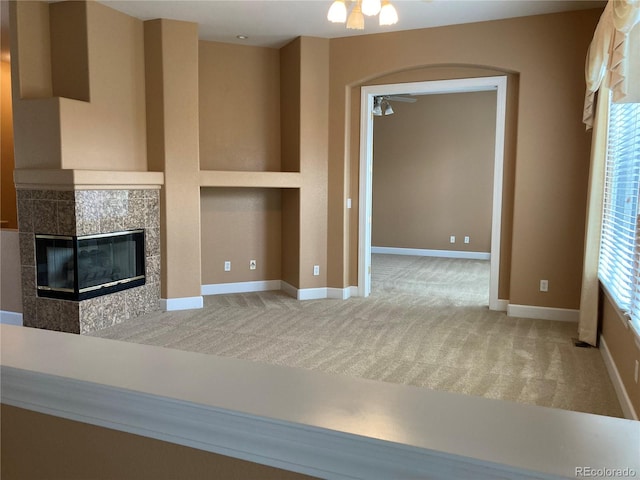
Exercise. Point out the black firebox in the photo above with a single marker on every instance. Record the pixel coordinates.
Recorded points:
(78, 268)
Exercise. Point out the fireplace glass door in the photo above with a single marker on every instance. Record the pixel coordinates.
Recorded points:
(77, 268)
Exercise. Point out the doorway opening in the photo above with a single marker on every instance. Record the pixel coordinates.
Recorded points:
(368, 94)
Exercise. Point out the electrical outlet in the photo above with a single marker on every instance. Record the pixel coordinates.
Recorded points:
(316, 270)
(452, 239)
(252, 264)
(635, 375)
(227, 266)
(544, 285)
(466, 239)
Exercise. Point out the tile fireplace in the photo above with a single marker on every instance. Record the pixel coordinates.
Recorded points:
(90, 258)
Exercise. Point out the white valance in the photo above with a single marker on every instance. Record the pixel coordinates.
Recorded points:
(610, 57)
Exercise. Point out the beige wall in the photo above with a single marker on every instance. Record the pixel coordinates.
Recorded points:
(551, 171)
(37, 446)
(624, 350)
(239, 225)
(31, 49)
(107, 133)
(290, 58)
(10, 274)
(548, 186)
(8, 198)
(433, 172)
(69, 50)
(314, 90)
(239, 107)
(171, 66)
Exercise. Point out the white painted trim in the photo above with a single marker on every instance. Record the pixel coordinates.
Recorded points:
(312, 293)
(185, 303)
(616, 380)
(328, 426)
(423, 252)
(317, 293)
(289, 289)
(10, 318)
(339, 293)
(543, 313)
(353, 290)
(240, 287)
(502, 305)
(498, 83)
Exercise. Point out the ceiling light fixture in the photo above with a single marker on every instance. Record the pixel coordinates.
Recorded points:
(381, 106)
(355, 20)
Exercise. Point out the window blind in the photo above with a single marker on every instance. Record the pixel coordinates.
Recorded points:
(619, 266)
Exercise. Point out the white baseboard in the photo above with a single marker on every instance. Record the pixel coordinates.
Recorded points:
(312, 293)
(422, 252)
(185, 303)
(616, 379)
(502, 305)
(241, 287)
(288, 289)
(543, 313)
(340, 293)
(318, 293)
(267, 285)
(11, 318)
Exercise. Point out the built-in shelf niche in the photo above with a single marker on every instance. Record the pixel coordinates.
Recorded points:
(240, 223)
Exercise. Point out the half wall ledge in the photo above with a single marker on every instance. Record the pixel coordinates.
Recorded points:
(329, 426)
(68, 179)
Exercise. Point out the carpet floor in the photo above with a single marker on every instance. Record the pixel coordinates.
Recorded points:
(426, 324)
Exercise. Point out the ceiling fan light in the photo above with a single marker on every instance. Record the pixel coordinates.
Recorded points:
(388, 14)
(371, 7)
(356, 19)
(337, 12)
(377, 108)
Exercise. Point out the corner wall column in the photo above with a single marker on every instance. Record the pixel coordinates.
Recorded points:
(171, 67)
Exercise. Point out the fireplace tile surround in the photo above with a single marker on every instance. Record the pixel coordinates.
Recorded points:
(87, 212)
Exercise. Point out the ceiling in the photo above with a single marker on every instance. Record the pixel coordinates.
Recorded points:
(273, 23)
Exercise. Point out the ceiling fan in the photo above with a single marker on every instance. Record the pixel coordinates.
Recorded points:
(382, 106)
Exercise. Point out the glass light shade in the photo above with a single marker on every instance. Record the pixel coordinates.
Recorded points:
(371, 7)
(388, 14)
(337, 12)
(356, 19)
(377, 108)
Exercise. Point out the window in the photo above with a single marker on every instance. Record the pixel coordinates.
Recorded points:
(619, 267)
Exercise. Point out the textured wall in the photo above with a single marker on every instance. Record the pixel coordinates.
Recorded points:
(76, 451)
(433, 173)
(552, 146)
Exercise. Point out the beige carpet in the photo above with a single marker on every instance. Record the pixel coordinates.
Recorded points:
(425, 324)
